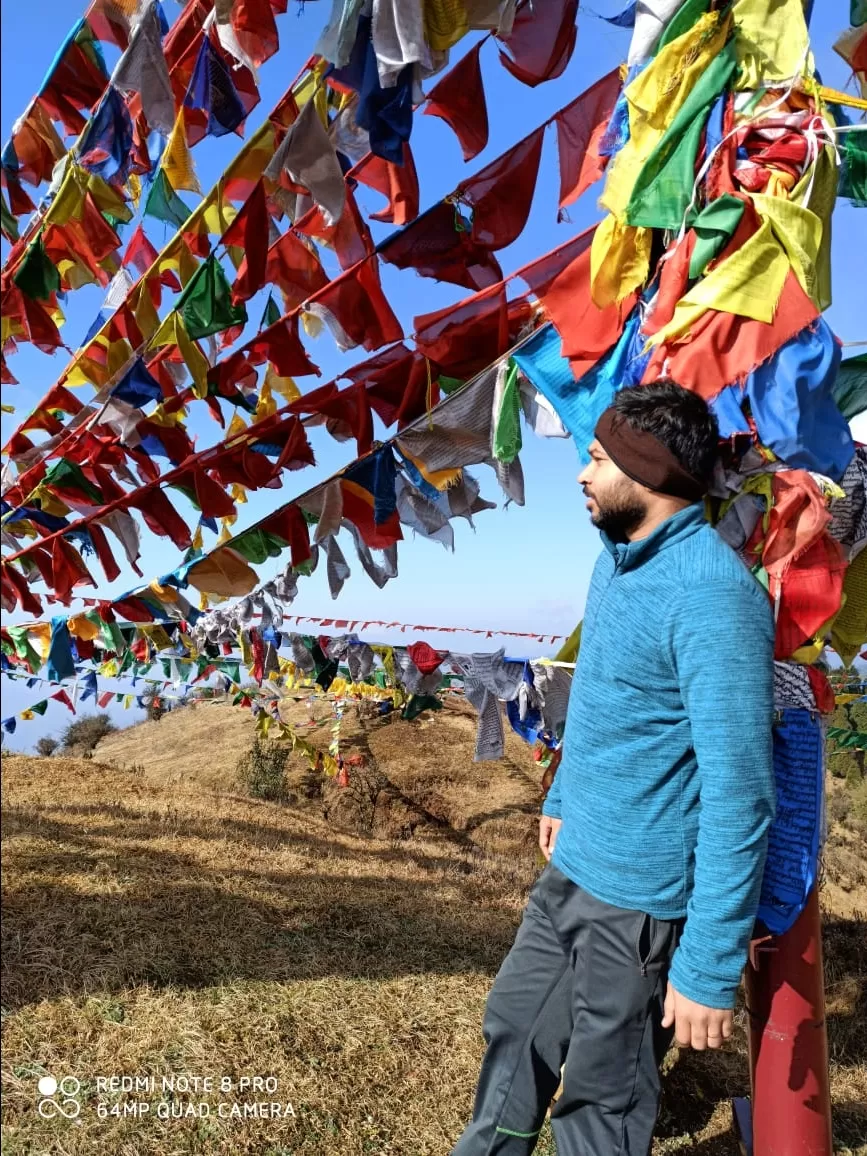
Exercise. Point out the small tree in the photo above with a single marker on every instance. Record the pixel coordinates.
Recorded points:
(84, 733)
(154, 706)
(262, 771)
(46, 746)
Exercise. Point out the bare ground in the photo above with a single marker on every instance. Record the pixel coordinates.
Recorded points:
(158, 921)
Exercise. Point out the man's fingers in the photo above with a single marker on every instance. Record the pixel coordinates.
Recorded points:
(683, 1031)
(668, 1008)
(719, 1030)
(698, 1036)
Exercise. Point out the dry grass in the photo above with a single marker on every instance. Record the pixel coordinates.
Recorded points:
(158, 922)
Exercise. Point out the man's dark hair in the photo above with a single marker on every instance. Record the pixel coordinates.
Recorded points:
(678, 418)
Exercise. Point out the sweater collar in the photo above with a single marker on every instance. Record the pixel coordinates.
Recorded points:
(681, 525)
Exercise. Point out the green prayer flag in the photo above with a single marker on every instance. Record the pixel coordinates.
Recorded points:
(206, 303)
(663, 188)
(40, 707)
(91, 48)
(258, 545)
(449, 385)
(23, 649)
(684, 18)
(272, 313)
(418, 703)
(847, 738)
(713, 227)
(853, 169)
(37, 277)
(66, 475)
(850, 388)
(858, 12)
(164, 203)
(8, 223)
(507, 421)
(111, 637)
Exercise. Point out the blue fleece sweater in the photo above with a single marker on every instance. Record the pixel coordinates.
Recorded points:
(666, 785)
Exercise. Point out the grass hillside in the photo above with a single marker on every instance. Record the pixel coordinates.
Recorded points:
(342, 941)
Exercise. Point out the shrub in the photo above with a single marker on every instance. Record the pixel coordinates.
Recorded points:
(858, 716)
(839, 719)
(86, 732)
(262, 771)
(841, 763)
(46, 746)
(859, 804)
(154, 706)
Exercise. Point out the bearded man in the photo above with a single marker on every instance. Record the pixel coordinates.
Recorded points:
(655, 825)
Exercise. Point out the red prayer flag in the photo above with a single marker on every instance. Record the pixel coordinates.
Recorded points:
(162, 518)
(459, 99)
(67, 570)
(561, 281)
(723, 348)
(357, 310)
(464, 338)
(502, 193)
(249, 231)
(349, 236)
(398, 183)
(254, 25)
(290, 524)
(294, 269)
(16, 588)
(439, 244)
(580, 128)
(281, 345)
(541, 42)
(103, 551)
(62, 696)
(141, 254)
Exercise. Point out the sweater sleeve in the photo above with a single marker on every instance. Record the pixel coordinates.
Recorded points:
(722, 640)
(552, 805)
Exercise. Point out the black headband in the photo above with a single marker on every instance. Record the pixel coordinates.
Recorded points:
(644, 458)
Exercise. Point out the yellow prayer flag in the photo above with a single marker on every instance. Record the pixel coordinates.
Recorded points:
(771, 42)
(177, 164)
(174, 332)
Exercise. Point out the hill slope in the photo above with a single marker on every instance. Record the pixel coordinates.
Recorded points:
(157, 921)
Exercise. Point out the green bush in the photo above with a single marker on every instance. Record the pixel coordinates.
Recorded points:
(262, 771)
(46, 746)
(858, 716)
(840, 762)
(85, 733)
(859, 803)
(839, 719)
(154, 706)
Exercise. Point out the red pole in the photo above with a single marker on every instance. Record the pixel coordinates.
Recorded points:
(791, 1096)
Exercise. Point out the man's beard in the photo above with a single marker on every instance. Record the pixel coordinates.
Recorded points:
(619, 514)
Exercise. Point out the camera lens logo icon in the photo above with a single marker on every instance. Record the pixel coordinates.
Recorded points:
(66, 1104)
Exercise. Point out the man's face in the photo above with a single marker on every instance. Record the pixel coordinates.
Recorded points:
(617, 505)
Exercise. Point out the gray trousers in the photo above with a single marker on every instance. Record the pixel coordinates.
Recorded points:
(583, 985)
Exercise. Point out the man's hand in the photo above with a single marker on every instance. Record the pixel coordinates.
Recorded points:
(548, 829)
(695, 1025)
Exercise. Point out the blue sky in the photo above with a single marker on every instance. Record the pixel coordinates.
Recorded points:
(522, 568)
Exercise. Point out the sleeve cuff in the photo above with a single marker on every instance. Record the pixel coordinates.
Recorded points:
(701, 989)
